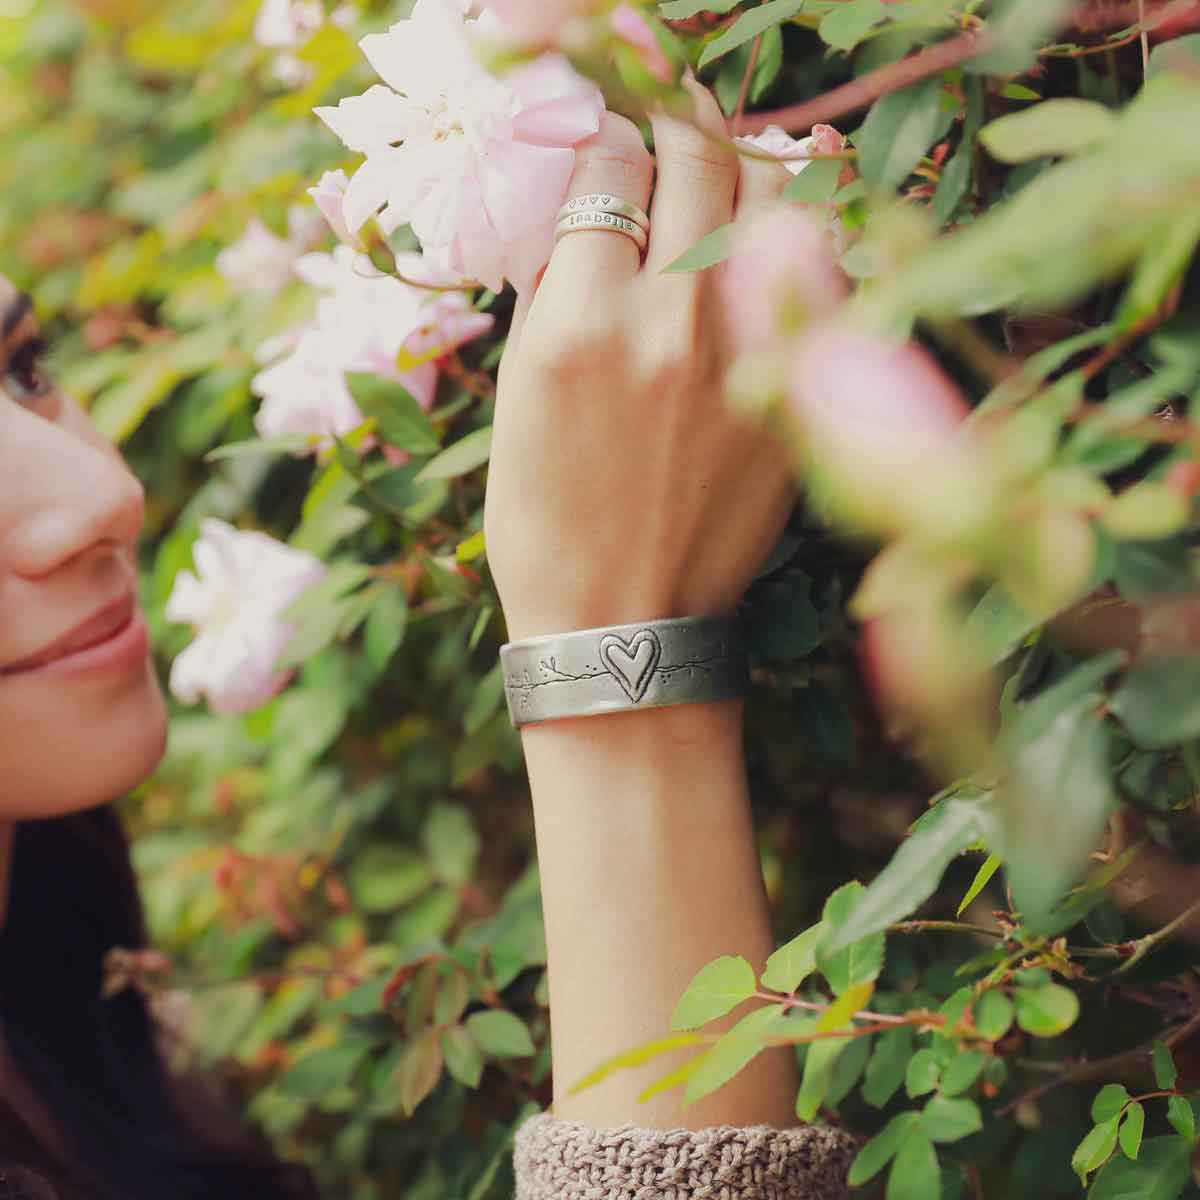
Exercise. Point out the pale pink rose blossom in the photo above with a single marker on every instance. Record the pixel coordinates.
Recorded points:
(262, 261)
(366, 322)
(242, 584)
(781, 273)
(631, 26)
(537, 22)
(883, 426)
(793, 152)
(329, 193)
(482, 165)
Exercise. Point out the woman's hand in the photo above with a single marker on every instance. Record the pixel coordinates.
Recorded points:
(621, 488)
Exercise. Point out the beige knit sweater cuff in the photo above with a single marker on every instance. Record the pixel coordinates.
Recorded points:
(564, 1160)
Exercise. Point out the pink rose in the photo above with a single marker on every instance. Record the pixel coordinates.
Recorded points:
(366, 322)
(631, 26)
(478, 166)
(235, 601)
(780, 275)
(537, 22)
(882, 423)
(329, 194)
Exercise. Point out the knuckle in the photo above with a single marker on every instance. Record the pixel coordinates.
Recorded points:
(699, 158)
(621, 168)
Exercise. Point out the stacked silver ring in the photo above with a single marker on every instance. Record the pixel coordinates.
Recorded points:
(605, 212)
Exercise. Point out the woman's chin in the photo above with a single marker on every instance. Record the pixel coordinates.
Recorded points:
(71, 753)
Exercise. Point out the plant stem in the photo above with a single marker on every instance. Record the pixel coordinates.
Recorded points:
(1144, 945)
(800, 118)
(751, 67)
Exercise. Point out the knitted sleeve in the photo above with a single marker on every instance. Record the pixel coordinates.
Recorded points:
(564, 1160)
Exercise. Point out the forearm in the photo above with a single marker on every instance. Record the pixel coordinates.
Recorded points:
(649, 870)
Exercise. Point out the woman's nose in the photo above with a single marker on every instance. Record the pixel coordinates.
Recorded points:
(82, 501)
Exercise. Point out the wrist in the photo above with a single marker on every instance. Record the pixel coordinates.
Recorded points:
(654, 733)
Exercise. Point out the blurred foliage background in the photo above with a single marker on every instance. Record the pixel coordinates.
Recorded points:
(344, 880)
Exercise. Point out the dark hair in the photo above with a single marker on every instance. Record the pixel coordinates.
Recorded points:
(92, 1060)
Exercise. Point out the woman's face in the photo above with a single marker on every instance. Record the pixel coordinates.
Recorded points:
(81, 716)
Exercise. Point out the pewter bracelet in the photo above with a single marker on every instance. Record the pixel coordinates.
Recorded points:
(689, 660)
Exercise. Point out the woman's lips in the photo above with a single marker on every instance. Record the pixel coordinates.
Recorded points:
(113, 638)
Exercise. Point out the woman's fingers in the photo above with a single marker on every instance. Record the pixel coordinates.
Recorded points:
(513, 341)
(760, 184)
(697, 179)
(614, 161)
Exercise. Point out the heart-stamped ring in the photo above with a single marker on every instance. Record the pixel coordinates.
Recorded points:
(632, 663)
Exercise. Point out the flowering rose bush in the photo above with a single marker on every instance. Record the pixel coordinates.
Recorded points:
(973, 319)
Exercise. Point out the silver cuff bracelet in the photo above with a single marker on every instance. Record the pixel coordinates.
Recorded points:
(689, 660)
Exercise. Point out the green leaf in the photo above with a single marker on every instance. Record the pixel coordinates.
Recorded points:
(915, 1174)
(819, 1065)
(488, 697)
(916, 869)
(419, 1070)
(780, 618)
(898, 131)
(957, 173)
(1159, 702)
(1095, 1149)
(889, 1062)
(924, 1071)
(964, 1069)
(463, 1058)
(386, 625)
(1046, 1011)
(715, 990)
(748, 26)
(463, 457)
(845, 26)
(848, 1070)
(1182, 1118)
(733, 1051)
(501, 1034)
(857, 963)
(324, 1069)
(993, 1014)
(1054, 806)
(1109, 1102)
(882, 1148)
(1165, 1074)
(711, 249)
(284, 443)
(451, 843)
(384, 877)
(1018, 91)
(982, 878)
(399, 419)
(680, 10)
(1161, 1172)
(1178, 54)
(636, 1057)
(947, 1120)
(1131, 1130)
(793, 962)
(1147, 511)
(1054, 127)
(1162, 266)
(816, 183)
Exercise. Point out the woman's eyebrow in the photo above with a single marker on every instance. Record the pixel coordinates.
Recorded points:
(15, 313)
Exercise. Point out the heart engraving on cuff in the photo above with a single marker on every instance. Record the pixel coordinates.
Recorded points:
(632, 663)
